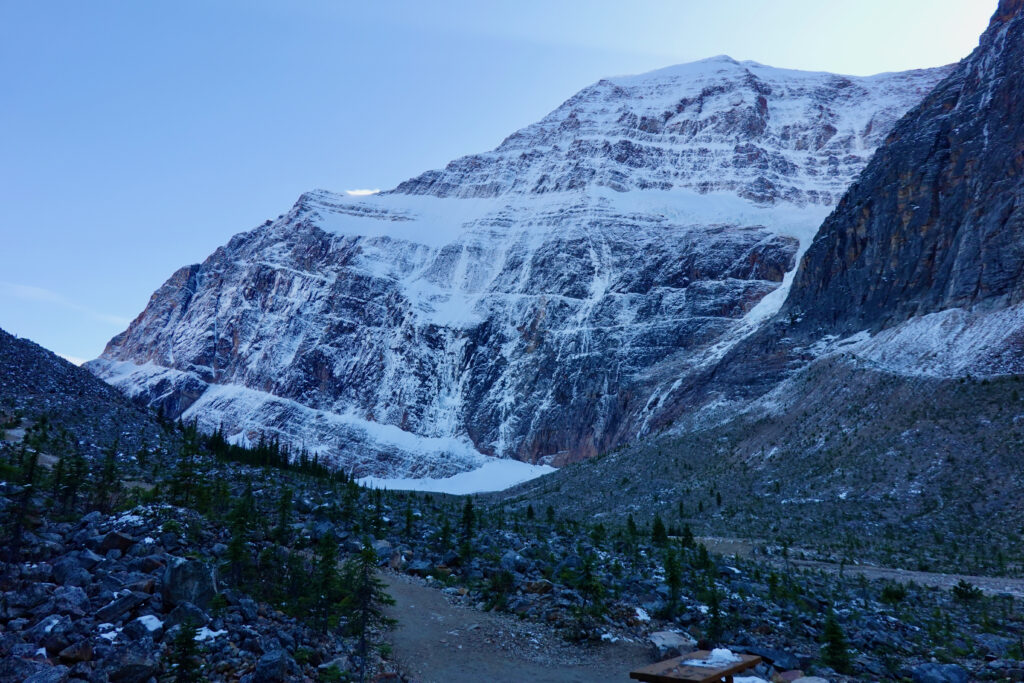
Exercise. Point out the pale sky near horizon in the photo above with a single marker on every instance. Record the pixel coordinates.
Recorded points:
(138, 137)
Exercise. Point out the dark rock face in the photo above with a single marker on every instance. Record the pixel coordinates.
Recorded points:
(936, 220)
(533, 302)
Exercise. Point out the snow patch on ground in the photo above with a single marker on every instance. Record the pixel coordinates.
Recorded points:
(494, 475)
(205, 633)
(151, 622)
(951, 343)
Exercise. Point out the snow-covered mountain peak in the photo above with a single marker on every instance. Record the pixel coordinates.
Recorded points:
(537, 301)
(766, 134)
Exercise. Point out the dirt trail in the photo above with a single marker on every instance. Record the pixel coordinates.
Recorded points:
(440, 642)
(991, 585)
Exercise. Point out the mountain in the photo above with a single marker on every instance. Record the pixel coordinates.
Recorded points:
(879, 413)
(536, 302)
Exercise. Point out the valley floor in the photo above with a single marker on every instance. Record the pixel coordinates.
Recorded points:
(440, 641)
(990, 585)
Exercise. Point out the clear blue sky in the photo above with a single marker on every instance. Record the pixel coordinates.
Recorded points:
(138, 136)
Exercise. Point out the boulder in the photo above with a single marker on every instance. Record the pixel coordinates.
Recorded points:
(783, 661)
(121, 605)
(669, 644)
(188, 581)
(51, 632)
(136, 663)
(70, 600)
(54, 674)
(273, 667)
(76, 652)
(88, 559)
(512, 561)
(69, 572)
(186, 612)
(420, 567)
(383, 550)
(939, 673)
(115, 540)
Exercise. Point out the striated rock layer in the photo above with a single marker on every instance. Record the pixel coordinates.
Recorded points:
(536, 302)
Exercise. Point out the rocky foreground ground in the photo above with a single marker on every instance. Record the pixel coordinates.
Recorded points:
(136, 549)
(104, 596)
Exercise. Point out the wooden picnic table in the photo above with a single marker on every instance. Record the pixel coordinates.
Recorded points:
(673, 670)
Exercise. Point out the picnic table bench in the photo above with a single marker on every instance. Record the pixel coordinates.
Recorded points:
(673, 670)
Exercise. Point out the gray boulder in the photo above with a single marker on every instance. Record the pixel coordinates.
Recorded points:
(136, 663)
(273, 667)
(669, 644)
(188, 581)
(939, 673)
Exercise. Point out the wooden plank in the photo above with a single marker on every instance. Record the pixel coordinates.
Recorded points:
(673, 670)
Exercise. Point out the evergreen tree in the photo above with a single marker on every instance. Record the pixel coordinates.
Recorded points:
(272, 573)
(350, 499)
(28, 460)
(364, 604)
(282, 531)
(185, 664)
(73, 480)
(377, 523)
(327, 584)
(715, 626)
(108, 483)
(631, 529)
(835, 652)
(658, 534)
(590, 587)
(674, 579)
(530, 513)
(444, 536)
(468, 520)
(686, 538)
(57, 481)
(183, 480)
(239, 522)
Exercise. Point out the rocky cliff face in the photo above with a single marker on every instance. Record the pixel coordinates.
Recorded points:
(534, 302)
(764, 134)
(936, 220)
(918, 270)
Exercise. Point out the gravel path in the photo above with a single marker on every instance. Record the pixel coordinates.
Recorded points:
(439, 641)
(991, 585)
